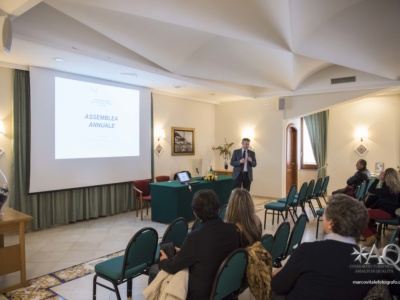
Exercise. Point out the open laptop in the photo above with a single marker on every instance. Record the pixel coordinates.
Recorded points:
(184, 178)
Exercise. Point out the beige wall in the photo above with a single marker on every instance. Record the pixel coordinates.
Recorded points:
(380, 115)
(174, 112)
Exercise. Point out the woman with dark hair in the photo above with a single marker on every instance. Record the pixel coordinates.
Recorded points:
(383, 203)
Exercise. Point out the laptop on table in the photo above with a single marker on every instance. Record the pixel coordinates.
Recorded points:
(184, 178)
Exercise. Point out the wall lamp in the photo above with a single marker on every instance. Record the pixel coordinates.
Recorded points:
(361, 133)
(159, 134)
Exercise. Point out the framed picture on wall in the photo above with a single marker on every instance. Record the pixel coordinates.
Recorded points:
(182, 141)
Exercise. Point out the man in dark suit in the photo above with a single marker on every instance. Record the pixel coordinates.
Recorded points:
(203, 249)
(243, 161)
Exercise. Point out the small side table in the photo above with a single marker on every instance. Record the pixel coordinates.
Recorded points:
(12, 258)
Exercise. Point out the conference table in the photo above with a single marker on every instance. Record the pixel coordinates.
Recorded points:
(172, 199)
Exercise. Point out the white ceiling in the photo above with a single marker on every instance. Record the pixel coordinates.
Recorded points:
(213, 50)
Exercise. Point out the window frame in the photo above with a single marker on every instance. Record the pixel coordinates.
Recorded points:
(302, 164)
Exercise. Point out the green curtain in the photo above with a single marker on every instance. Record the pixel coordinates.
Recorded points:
(58, 207)
(317, 126)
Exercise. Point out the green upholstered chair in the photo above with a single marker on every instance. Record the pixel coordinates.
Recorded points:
(319, 213)
(280, 244)
(138, 257)
(296, 235)
(231, 276)
(176, 232)
(317, 191)
(309, 197)
(280, 207)
(324, 188)
(267, 240)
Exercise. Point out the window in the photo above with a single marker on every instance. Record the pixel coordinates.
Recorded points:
(307, 155)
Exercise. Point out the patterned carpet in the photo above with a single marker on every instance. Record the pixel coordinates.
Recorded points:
(41, 287)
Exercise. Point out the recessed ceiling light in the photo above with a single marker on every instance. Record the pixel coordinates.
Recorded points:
(59, 59)
(129, 75)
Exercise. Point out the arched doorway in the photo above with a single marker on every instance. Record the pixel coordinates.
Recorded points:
(291, 156)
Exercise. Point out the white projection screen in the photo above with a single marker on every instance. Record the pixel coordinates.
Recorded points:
(86, 131)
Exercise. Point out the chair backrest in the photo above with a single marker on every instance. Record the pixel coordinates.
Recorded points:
(301, 196)
(297, 234)
(365, 192)
(140, 251)
(230, 276)
(162, 178)
(267, 240)
(280, 241)
(291, 196)
(222, 211)
(196, 225)
(143, 185)
(324, 186)
(360, 190)
(317, 187)
(310, 189)
(176, 232)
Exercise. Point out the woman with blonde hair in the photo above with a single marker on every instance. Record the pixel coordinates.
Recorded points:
(240, 211)
(383, 203)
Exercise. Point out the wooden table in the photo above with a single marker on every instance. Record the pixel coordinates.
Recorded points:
(12, 258)
(223, 172)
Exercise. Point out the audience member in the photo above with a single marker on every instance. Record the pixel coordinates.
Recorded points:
(354, 181)
(204, 249)
(383, 202)
(240, 211)
(331, 269)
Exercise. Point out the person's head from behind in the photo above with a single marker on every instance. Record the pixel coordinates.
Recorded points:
(245, 143)
(241, 211)
(205, 205)
(345, 216)
(391, 178)
(361, 164)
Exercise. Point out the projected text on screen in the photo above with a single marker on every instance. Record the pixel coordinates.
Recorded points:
(95, 120)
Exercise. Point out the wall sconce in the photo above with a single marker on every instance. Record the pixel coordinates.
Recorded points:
(248, 133)
(361, 133)
(159, 134)
(2, 129)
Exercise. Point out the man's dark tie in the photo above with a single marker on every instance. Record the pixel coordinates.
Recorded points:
(243, 156)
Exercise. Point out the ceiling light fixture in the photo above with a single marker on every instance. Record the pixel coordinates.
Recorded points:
(59, 59)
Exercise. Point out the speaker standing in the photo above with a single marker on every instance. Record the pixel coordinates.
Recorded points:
(243, 161)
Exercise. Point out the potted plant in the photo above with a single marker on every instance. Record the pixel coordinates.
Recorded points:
(225, 152)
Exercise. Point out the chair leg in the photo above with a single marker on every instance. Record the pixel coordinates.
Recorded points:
(129, 288)
(141, 209)
(94, 286)
(303, 209)
(319, 202)
(265, 218)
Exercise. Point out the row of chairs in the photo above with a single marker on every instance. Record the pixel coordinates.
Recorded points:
(293, 200)
(283, 242)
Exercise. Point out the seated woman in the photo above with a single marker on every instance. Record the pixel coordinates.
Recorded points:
(383, 203)
(240, 211)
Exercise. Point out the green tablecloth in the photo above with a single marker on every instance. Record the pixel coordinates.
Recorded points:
(172, 199)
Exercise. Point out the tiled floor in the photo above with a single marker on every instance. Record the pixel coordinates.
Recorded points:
(57, 248)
